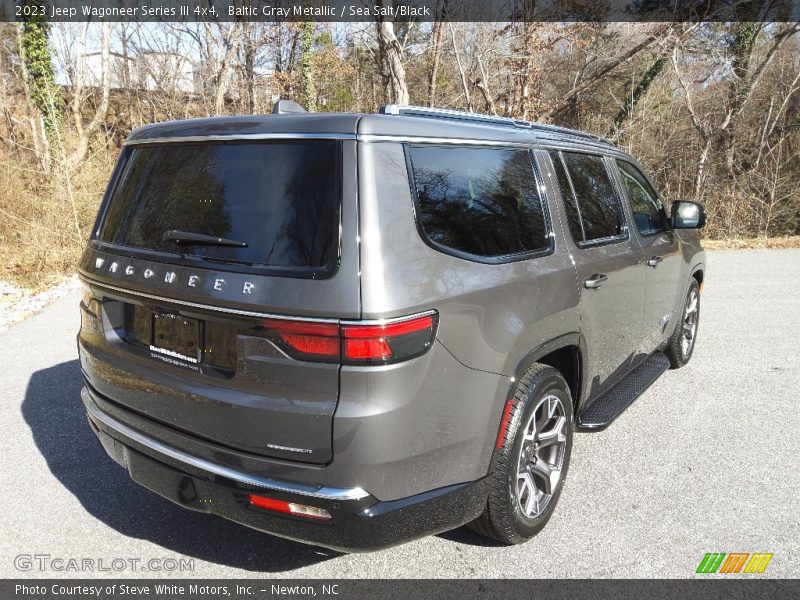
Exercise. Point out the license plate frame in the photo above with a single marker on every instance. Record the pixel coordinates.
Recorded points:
(176, 336)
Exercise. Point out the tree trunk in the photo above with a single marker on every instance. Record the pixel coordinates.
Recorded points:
(39, 139)
(566, 99)
(392, 62)
(44, 94)
(633, 96)
(462, 73)
(249, 67)
(483, 86)
(308, 90)
(85, 133)
(232, 41)
(436, 51)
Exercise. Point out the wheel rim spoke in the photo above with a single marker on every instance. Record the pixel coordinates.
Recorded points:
(541, 455)
(689, 323)
(532, 503)
(546, 475)
(552, 436)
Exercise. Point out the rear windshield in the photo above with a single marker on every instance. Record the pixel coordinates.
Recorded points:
(280, 199)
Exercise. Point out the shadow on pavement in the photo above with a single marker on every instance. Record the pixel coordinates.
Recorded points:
(55, 414)
(465, 535)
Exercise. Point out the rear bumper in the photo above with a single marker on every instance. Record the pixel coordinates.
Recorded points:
(359, 521)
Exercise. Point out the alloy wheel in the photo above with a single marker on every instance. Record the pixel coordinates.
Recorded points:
(541, 456)
(690, 323)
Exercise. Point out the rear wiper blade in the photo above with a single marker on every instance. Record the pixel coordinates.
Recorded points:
(187, 238)
(226, 261)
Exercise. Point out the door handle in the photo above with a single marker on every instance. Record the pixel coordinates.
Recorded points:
(653, 261)
(595, 281)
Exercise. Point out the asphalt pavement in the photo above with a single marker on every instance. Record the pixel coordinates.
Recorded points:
(705, 461)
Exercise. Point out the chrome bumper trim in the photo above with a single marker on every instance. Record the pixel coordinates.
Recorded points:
(327, 493)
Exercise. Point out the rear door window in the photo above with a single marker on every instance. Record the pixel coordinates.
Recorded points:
(589, 197)
(479, 202)
(281, 200)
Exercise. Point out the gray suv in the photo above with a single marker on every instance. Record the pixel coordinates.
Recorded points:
(358, 329)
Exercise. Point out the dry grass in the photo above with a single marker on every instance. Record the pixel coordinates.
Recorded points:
(39, 242)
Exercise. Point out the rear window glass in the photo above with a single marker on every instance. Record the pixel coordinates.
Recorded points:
(280, 199)
(479, 201)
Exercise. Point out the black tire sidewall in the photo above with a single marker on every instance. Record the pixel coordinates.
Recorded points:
(692, 287)
(677, 358)
(553, 383)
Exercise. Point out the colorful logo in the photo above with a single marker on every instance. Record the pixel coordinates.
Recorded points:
(734, 562)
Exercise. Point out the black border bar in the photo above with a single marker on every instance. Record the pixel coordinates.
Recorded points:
(272, 11)
(712, 587)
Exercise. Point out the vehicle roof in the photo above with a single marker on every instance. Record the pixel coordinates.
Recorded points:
(327, 123)
(352, 125)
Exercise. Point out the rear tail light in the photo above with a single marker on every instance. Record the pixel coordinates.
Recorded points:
(388, 342)
(289, 508)
(355, 342)
(306, 339)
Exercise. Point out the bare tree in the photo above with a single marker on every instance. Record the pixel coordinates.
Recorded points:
(80, 96)
(461, 69)
(392, 57)
(745, 71)
(597, 68)
(436, 50)
(230, 40)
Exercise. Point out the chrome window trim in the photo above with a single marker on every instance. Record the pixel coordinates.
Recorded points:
(327, 493)
(444, 141)
(239, 137)
(231, 311)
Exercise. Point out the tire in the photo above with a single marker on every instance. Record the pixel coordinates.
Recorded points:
(683, 339)
(541, 404)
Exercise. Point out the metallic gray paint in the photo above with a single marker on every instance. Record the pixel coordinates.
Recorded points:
(407, 428)
(129, 434)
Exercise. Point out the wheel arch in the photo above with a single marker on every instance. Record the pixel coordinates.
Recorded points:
(698, 273)
(565, 354)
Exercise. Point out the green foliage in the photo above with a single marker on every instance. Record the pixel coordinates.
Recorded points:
(308, 91)
(335, 93)
(46, 95)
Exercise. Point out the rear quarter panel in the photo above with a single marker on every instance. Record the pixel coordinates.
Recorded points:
(491, 315)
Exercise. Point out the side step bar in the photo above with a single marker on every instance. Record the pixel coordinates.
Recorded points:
(600, 413)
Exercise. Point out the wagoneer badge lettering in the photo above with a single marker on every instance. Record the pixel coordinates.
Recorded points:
(170, 276)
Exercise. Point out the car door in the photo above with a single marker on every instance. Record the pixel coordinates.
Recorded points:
(662, 256)
(607, 262)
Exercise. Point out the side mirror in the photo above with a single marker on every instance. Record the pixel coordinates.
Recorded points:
(688, 215)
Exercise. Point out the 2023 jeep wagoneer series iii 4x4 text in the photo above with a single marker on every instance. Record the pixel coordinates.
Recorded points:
(354, 330)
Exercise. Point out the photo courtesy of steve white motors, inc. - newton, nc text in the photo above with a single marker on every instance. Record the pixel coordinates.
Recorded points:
(365, 299)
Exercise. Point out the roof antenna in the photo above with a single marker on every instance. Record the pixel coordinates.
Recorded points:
(287, 107)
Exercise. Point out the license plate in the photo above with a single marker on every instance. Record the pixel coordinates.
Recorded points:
(176, 336)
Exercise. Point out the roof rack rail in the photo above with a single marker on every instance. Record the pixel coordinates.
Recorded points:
(458, 115)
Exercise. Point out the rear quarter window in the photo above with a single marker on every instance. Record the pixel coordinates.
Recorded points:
(281, 199)
(479, 203)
